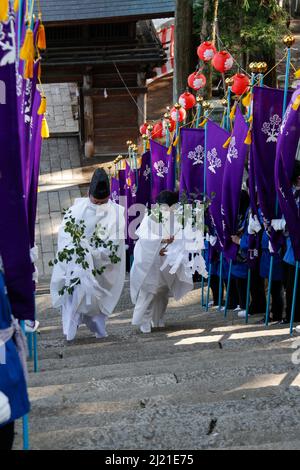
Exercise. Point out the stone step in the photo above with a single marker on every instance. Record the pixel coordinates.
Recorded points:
(177, 427)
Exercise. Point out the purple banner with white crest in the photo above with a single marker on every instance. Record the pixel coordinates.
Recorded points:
(288, 149)
(232, 183)
(163, 169)
(267, 120)
(192, 163)
(216, 159)
(14, 236)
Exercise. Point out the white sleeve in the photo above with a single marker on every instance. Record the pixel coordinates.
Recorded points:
(5, 410)
(278, 224)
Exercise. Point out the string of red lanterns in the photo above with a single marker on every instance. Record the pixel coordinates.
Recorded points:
(222, 61)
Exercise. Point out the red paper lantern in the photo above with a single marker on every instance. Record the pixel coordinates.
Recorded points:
(241, 83)
(143, 128)
(206, 51)
(197, 81)
(168, 124)
(178, 115)
(187, 100)
(157, 132)
(222, 61)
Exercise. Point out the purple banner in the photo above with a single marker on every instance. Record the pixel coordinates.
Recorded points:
(14, 236)
(115, 190)
(192, 163)
(232, 183)
(163, 169)
(287, 151)
(145, 177)
(34, 159)
(267, 120)
(216, 158)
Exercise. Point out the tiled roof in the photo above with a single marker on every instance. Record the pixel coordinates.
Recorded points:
(74, 10)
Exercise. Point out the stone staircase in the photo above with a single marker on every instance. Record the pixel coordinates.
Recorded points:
(201, 383)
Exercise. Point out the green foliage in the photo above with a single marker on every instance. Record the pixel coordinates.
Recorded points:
(77, 253)
(253, 27)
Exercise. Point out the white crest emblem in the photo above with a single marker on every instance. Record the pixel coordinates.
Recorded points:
(232, 150)
(147, 172)
(272, 128)
(161, 168)
(197, 155)
(133, 190)
(214, 161)
(115, 196)
(8, 44)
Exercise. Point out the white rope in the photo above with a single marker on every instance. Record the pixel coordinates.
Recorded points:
(225, 48)
(129, 92)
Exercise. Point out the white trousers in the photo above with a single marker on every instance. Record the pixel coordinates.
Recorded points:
(150, 309)
(96, 324)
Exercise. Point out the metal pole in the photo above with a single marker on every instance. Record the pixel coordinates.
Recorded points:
(294, 297)
(25, 422)
(228, 289)
(208, 287)
(248, 295)
(220, 281)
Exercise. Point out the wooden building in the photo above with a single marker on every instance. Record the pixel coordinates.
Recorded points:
(109, 48)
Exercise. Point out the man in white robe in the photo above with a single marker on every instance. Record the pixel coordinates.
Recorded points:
(94, 299)
(162, 266)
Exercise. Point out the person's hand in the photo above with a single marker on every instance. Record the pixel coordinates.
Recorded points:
(163, 251)
(236, 239)
(168, 241)
(5, 410)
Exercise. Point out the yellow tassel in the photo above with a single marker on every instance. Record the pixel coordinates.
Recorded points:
(296, 103)
(148, 145)
(232, 112)
(250, 120)
(226, 144)
(16, 5)
(247, 100)
(202, 124)
(297, 73)
(169, 150)
(43, 106)
(28, 71)
(248, 139)
(176, 141)
(45, 129)
(27, 50)
(41, 38)
(4, 4)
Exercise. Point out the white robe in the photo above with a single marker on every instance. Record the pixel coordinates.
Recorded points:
(95, 298)
(153, 277)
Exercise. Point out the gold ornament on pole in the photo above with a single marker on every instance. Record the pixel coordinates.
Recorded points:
(229, 81)
(289, 40)
(206, 105)
(253, 67)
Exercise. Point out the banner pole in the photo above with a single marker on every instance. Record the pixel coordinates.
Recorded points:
(208, 287)
(248, 295)
(220, 281)
(198, 115)
(25, 422)
(294, 297)
(228, 289)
